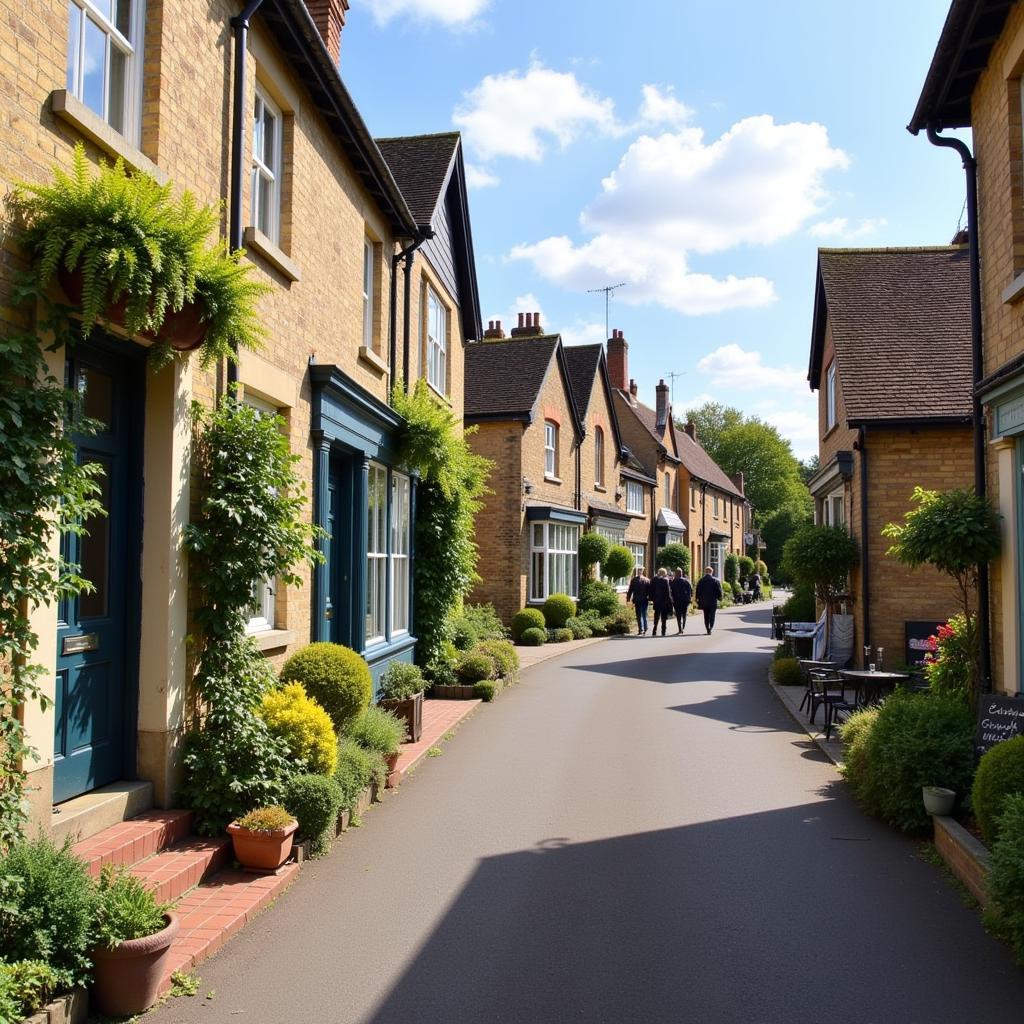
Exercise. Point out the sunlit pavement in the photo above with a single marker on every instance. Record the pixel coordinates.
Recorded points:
(636, 832)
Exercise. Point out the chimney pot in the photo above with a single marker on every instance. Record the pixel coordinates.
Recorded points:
(494, 331)
(522, 319)
(691, 429)
(661, 404)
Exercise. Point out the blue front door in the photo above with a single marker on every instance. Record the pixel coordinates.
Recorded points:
(97, 648)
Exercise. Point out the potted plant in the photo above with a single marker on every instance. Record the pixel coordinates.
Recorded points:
(383, 731)
(401, 692)
(262, 839)
(134, 934)
(938, 800)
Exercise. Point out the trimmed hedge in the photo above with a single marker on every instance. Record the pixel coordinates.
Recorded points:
(558, 608)
(528, 618)
(315, 801)
(474, 666)
(600, 597)
(786, 672)
(580, 627)
(485, 690)
(560, 636)
(504, 656)
(1006, 876)
(335, 677)
(534, 637)
(1000, 774)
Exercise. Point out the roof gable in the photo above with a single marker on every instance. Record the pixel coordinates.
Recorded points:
(588, 369)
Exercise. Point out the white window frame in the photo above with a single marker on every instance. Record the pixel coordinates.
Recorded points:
(830, 396)
(551, 449)
(633, 490)
(369, 266)
(639, 553)
(263, 615)
(437, 342)
(598, 457)
(833, 501)
(554, 560)
(716, 557)
(613, 536)
(261, 170)
(401, 515)
(376, 554)
(132, 49)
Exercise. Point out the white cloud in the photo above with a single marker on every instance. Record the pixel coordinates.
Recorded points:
(518, 114)
(451, 13)
(583, 332)
(739, 369)
(661, 107)
(841, 228)
(480, 177)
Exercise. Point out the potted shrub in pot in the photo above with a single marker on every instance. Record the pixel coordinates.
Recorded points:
(262, 839)
(401, 692)
(134, 935)
(381, 730)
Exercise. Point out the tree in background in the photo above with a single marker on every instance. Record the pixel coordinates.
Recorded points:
(712, 420)
(776, 528)
(809, 468)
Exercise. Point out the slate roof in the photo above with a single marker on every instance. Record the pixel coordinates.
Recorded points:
(649, 418)
(699, 464)
(504, 378)
(582, 361)
(901, 326)
(420, 164)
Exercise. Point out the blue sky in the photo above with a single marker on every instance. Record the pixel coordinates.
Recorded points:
(699, 151)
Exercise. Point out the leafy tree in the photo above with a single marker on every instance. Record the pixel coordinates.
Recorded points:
(593, 550)
(821, 557)
(808, 468)
(777, 527)
(618, 562)
(712, 420)
(674, 556)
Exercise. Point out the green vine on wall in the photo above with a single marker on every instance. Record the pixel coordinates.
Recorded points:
(453, 482)
(43, 489)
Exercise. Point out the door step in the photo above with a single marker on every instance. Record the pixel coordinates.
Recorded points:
(129, 842)
(91, 813)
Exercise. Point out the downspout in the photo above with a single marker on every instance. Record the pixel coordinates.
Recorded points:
(408, 254)
(393, 317)
(578, 503)
(865, 563)
(240, 30)
(698, 570)
(977, 370)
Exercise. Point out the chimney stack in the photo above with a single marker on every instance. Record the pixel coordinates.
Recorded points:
(691, 429)
(494, 331)
(618, 361)
(329, 18)
(661, 404)
(737, 479)
(633, 389)
(529, 326)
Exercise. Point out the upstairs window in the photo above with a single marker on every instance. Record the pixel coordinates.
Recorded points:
(550, 448)
(437, 343)
(104, 60)
(668, 491)
(368, 265)
(598, 457)
(266, 167)
(830, 397)
(634, 496)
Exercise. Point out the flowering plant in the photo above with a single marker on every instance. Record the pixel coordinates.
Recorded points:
(949, 664)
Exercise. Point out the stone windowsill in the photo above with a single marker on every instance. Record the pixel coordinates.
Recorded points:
(1014, 291)
(368, 356)
(440, 395)
(601, 488)
(552, 479)
(273, 639)
(254, 240)
(74, 112)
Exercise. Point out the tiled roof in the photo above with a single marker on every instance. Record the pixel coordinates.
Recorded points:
(901, 326)
(420, 163)
(699, 464)
(505, 377)
(582, 362)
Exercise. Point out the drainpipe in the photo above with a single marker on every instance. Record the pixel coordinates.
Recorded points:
(408, 254)
(578, 502)
(865, 563)
(240, 30)
(703, 529)
(977, 369)
(393, 318)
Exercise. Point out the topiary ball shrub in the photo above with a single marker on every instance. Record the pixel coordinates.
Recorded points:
(315, 800)
(1005, 882)
(580, 628)
(786, 672)
(485, 690)
(504, 656)
(303, 725)
(854, 733)
(674, 556)
(918, 739)
(558, 608)
(618, 563)
(528, 618)
(592, 550)
(1000, 773)
(535, 636)
(474, 666)
(378, 729)
(335, 677)
(599, 597)
(560, 636)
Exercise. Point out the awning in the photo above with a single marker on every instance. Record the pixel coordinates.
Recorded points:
(716, 535)
(555, 514)
(668, 520)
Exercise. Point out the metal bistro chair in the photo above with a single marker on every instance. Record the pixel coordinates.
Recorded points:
(805, 665)
(828, 689)
(778, 623)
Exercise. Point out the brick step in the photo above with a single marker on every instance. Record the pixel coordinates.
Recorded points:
(172, 872)
(129, 842)
(214, 911)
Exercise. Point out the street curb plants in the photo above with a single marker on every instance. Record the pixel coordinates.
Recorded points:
(262, 839)
(401, 692)
(335, 676)
(535, 636)
(527, 618)
(1000, 773)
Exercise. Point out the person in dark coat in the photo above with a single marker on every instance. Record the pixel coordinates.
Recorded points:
(755, 585)
(709, 593)
(661, 598)
(682, 595)
(639, 593)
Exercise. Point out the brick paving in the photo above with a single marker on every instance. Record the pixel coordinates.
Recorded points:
(132, 841)
(438, 717)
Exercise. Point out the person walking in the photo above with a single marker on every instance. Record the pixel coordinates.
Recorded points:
(755, 585)
(709, 593)
(682, 595)
(661, 598)
(639, 593)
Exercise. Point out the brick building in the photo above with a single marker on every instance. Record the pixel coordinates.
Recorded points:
(891, 362)
(976, 80)
(368, 252)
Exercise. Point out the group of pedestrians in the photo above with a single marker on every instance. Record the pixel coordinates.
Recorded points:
(672, 596)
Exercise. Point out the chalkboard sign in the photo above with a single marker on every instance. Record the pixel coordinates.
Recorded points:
(999, 718)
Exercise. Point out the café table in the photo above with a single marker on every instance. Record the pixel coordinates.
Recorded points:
(869, 685)
(792, 634)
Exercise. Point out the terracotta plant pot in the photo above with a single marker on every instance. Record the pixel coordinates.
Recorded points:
(126, 979)
(262, 851)
(391, 760)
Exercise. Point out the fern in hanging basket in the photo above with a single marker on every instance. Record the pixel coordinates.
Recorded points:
(127, 251)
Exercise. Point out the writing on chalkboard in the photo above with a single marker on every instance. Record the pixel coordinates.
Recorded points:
(999, 719)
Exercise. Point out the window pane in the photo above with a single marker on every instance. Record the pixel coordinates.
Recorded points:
(74, 45)
(265, 197)
(269, 140)
(117, 89)
(96, 391)
(123, 17)
(94, 553)
(94, 71)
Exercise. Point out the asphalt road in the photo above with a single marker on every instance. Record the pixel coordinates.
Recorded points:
(638, 832)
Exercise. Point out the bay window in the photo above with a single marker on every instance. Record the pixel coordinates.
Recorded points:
(554, 560)
(639, 553)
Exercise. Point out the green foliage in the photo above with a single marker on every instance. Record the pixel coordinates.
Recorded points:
(1000, 774)
(380, 730)
(357, 769)
(534, 637)
(746, 567)
(761, 567)
(265, 819)
(712, 420)
(592, 550)
(47, 908)
(485, 690)
(786, 672)
(303, 725)
(560, 636)
(558, 608)
(580, 628)
(731, 572)
(125, 908)
(401, 681)
(336, 677)
(674, 556)
(949, 665)
(453, 482)
(474, 623)
(800, 606)
(25, 986)
(623, 621)
(918, 739)
(777, 527)
(526, 619)
(855, 733)
(618, 563)
(133, 242)
(821, 557)
(474, 666)
(598, 596)
(737, 591)
(315, 801)
(43, 488)
(1005, 882)
(504, 656)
